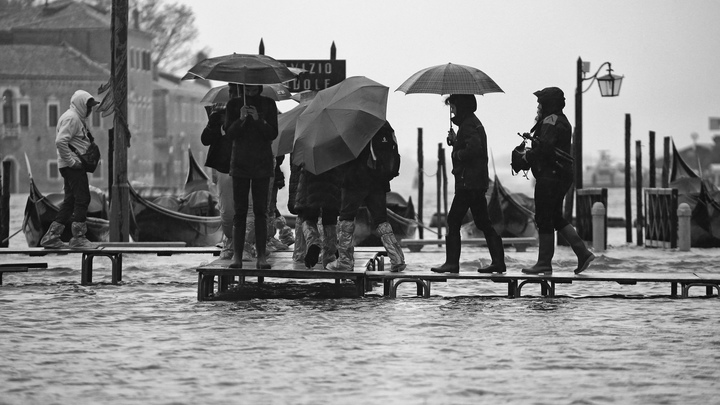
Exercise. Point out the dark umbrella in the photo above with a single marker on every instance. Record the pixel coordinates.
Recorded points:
(241, 68)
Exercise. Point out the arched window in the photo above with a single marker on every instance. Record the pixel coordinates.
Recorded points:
(8, 108)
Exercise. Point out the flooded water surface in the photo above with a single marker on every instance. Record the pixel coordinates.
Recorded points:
(148, 340)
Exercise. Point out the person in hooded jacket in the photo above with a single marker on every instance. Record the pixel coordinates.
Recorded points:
(552, 131)
(72, 133)
(470, 168)
(251, 123)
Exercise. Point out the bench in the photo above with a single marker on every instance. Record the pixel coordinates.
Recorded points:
(114, 251)
(19, 268)
(520, 244)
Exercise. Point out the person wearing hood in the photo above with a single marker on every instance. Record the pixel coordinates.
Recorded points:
(251, 122)
(470, 168)
(71, 134)
(552, 135)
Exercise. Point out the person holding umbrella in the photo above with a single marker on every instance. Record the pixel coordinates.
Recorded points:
(554, 176)
(470, 168)
(251, 123)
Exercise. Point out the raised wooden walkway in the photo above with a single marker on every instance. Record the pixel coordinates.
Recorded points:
(520, 244)
(370, 268)
(114, 251)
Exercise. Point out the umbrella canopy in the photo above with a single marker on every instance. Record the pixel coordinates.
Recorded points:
(220, 94)
(339, 123)
(450, 79)
(287, 121)
(241, 68)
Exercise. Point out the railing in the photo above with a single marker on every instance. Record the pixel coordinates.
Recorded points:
(661, 221)
(586, 197)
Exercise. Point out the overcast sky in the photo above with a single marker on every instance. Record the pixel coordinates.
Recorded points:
(668, 51)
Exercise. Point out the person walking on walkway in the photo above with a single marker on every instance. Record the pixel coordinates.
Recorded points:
(71, 134)
(366, 185)
(251, 123)
(552, 137)
(470, 168)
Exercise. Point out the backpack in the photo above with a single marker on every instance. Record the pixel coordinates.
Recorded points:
(384, 158)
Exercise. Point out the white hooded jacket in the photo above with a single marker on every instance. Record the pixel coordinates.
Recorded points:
(71, 130)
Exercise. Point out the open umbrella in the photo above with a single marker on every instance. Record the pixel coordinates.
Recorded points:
(339, 123)
(241, 68)
(287, 121)
(220, 94)
(450, 79)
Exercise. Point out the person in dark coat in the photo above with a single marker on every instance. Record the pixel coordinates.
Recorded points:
(362, 185)
(218, 158)
(300, 246)
(470, 168)
(318, 196)
(251, 123)
(553, 179)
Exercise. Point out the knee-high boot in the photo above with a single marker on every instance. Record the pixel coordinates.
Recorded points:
(300, 244)
(452, 255)
(329, 244)
(238, 243)
(397, 258)
(497, 254)
(261, 244)
(584, 256)
(345, 260)
(312, 238)
(546, 251)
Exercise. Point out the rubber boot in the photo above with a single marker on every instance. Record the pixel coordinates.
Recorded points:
(51, 239)
(78, 240)
(452, 255)
(394, 251)
(260, 245)
(312, 238)
(584, 256)
(329, 245)
(300, 244)
(497, 253)
(238, 244)
(546, 250)
(345, 260)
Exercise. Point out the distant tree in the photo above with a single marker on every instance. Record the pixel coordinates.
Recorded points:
(9, 6)
(172, 26)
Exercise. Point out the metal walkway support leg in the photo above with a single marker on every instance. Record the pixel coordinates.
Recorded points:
(423, 286)
(86, 269)
(708, 286)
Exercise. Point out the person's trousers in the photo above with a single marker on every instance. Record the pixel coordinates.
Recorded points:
(374, 201)
(475, 201)
(241, 189)
(225, 202)
(77, 196)
(549, 195)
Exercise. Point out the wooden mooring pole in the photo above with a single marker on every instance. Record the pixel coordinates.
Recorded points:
(628, 183)
(421, 184)
(5, 204)
(639, 220)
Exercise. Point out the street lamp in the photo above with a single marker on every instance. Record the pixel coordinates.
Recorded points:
(609, 87)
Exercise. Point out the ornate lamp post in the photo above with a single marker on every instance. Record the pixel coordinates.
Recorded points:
(609, 87)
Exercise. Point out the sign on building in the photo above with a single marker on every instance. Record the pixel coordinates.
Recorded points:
(714, 123)
(319, 75)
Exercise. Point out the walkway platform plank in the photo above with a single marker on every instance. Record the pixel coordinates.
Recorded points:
(520, 244)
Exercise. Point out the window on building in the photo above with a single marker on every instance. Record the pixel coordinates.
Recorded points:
(53, 114)
(131, 62)
(53, 172)
(96, 121)
(8, 108)
(24, 115)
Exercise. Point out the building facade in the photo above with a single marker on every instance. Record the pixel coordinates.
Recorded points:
(50, 51)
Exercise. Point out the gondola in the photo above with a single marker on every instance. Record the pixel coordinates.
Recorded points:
(192, 219)
(702, 196)
(511, 215)
(401, 216)
(40, 211)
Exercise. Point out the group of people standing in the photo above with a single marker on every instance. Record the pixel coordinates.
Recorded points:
(240, 152)
(245, 171)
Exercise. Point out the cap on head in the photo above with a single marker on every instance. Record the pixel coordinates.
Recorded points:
(551, 98)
